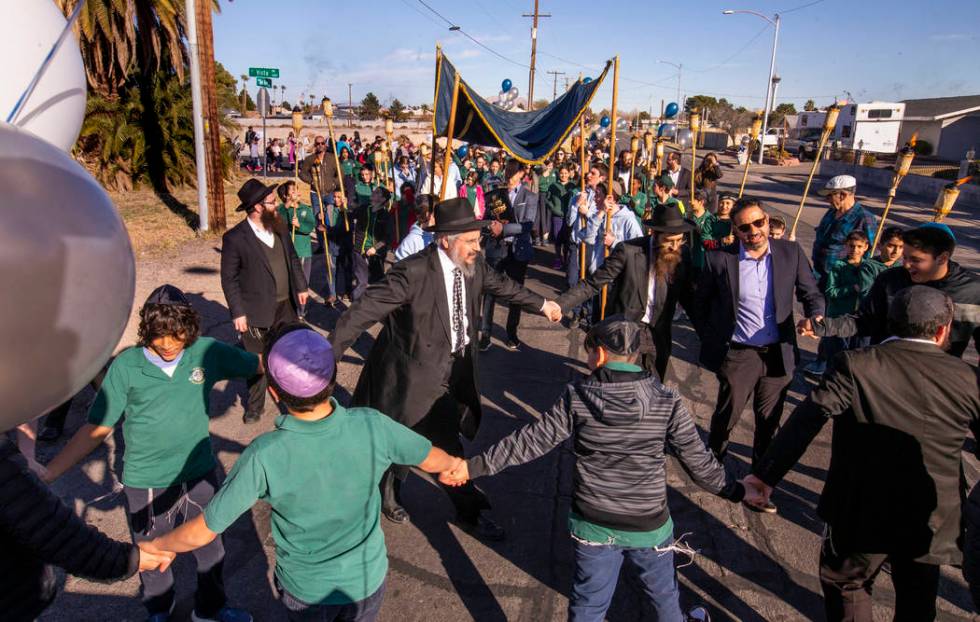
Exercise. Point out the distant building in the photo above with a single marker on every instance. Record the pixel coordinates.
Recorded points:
(950, 124)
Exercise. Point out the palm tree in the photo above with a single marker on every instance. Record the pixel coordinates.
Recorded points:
(118, 35)
(282, 90)
(244, 78)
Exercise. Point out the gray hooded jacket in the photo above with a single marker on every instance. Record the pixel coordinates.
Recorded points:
(621, 423)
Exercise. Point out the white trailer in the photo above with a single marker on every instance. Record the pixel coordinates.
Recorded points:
(866, 127)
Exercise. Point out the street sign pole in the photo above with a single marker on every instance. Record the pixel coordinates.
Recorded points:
(263, 105)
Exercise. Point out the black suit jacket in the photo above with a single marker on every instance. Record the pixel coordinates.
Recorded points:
(683, 184)
(901, 412)
(410, 360)
(716, 299)
(246, 277)
(626, 272)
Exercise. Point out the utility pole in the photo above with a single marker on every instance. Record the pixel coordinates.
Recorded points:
(212, 126)
(554, 89)
(196, 100)
(350, 105)
(534, 50)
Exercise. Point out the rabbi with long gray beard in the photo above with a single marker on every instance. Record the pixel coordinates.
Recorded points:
(422, 370)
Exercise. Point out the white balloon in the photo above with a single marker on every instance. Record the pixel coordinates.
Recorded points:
(66, 272)
(56, 108)
(514, 92)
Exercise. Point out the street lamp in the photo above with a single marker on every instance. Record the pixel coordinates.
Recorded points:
(772, 69)
(679, 69)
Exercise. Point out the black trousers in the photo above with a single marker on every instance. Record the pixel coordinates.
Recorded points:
(441, 426)
(154, 512)
(847, 580)
(253, 340)
(652, 358)
(516, 270)
(749, 373)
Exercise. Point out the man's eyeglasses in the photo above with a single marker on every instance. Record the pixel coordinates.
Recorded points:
(319, 144)
(747, 227)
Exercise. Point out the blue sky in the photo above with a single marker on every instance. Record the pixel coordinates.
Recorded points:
(874, 49)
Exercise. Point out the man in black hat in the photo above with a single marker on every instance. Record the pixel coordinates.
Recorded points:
(902, 410)
(261, 276)
(748, 334)
(646, 277)
(422, 369)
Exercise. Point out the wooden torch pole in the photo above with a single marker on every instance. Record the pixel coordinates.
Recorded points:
(829, 122)
(902, 167)
(582, 220)
(694, 122)
(753, 134)
(327, 106)
(447, 155)
(612, 165)
(389, 132)
(297, 128)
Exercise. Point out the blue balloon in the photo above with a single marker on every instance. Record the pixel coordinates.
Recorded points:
(660, 130)
(505, 85)
(462, 151)
(605, 121)
(672, 110)
(586, 80)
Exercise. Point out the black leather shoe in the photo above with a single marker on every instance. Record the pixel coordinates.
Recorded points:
(50, 434)
(484, 528)
(484, 342)
(512, 344)
(249, 418)
(397, 514)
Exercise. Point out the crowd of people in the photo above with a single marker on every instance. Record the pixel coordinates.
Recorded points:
(634, 246)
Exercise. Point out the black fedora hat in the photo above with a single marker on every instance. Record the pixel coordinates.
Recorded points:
(454, 216)
(668, 219)
(252, 193)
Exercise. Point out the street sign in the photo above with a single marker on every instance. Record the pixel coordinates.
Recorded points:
(263, 72)
(262, 102)
(259, 81)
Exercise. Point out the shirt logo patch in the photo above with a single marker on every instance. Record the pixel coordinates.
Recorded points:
(197, 375)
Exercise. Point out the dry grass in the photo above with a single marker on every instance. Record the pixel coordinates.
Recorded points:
(159, 226)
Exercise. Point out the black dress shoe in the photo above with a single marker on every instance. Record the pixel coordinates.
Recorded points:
(484, 342)
(512, 344)
(397, 514)
(249, 418)
(483, 528)
(50, 434)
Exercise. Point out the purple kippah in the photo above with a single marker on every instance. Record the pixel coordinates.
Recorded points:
(301, 362)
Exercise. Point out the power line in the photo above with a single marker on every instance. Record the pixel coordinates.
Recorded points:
(740, 50)
(801, 7)
(458, 29)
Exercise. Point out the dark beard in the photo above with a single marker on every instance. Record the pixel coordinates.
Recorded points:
(272, 221)
(666, 264)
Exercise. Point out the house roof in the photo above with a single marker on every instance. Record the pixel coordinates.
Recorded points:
(936, 108)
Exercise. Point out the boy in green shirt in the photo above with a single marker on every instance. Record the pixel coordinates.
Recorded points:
(662, 198)
(637, 198)
(301, 221)
(160, 389)
(721, 226)
(559, 193)
(703, 231)
(850, 280)
(319, 469)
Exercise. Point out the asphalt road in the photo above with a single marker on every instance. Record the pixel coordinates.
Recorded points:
(747, 567)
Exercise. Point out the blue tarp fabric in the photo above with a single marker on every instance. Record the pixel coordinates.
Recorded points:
(530, 137)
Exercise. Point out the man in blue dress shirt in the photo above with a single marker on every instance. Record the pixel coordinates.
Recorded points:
(748, 338)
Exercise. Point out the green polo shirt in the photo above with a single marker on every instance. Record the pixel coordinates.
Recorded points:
(307, 223)
(165, 420)
(321, 479)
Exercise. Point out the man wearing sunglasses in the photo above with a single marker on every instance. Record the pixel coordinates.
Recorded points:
(748, 332)
(321, 162)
